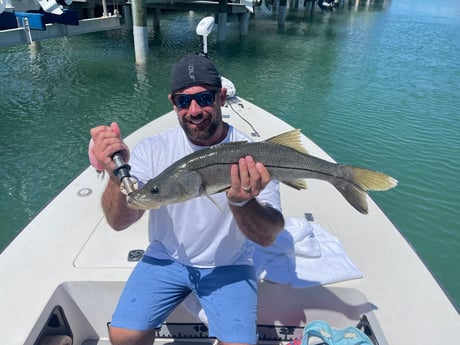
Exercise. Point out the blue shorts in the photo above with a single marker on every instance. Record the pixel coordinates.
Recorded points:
(228, 295)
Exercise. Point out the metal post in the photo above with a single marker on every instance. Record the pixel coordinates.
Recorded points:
(27, 31)
(310, 9)
(128, 16)
(282, 13)
(222, 21)
(156, 18)
(356, 5)
(140, 31)
(104, 8)
(244, 23)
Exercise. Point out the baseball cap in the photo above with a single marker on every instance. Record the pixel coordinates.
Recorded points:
(194, 70)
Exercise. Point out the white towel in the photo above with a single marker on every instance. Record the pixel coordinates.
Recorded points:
(303, 255)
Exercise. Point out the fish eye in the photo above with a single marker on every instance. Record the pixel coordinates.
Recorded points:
(154, 190)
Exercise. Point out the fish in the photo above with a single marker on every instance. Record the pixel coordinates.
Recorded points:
(207, 172)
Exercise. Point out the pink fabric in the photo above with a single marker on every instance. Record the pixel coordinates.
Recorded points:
(92, 159)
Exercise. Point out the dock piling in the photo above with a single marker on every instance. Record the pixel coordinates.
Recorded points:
(244, 23)
(140, 30)
(282, 10)
(222, 21)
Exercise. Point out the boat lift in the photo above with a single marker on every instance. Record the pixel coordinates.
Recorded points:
(52, 20)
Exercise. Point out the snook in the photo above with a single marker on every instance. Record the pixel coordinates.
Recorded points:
(207, 172)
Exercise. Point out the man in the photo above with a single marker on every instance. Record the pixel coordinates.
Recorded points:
(194, 247)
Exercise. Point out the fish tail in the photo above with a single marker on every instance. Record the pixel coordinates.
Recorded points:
(362, 181)
(373, 180)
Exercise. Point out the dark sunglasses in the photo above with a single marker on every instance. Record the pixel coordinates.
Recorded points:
(204, 99)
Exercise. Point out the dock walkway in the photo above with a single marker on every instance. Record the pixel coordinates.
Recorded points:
(94, 15)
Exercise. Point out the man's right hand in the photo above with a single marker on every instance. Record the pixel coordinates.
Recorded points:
(107, 140)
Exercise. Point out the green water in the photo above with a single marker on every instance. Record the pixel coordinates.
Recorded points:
(375, 86)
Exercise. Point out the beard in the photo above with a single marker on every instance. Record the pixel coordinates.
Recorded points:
(199, 136)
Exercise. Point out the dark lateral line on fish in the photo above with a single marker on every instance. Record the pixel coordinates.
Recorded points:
(324, 174)
(301, 169)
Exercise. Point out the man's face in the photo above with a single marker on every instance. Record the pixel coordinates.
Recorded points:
(199, 112)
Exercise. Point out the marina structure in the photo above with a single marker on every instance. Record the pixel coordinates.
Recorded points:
(28, 21)
(34, 20)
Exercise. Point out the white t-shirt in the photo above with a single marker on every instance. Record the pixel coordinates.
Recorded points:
(195, 232)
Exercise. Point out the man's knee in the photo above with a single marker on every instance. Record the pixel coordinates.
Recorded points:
(123, 336)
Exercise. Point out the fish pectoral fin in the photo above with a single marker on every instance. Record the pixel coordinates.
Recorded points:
(204, 192)
(290, 139)
(296, 184)
(222, 190)
(214, 202)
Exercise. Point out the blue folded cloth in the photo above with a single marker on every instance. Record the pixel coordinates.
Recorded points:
(331, 336)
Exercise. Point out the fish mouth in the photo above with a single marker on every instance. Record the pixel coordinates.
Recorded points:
(137, 204)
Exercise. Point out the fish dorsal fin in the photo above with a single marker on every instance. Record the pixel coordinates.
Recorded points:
(290, 139)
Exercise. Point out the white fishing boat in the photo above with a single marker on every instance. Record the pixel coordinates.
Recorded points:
(62, 275)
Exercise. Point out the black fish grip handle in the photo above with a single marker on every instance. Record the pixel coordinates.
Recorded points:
(122, 170)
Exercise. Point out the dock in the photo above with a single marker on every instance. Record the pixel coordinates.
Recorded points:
(26, 22)
(29, 21)
(25, 35)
